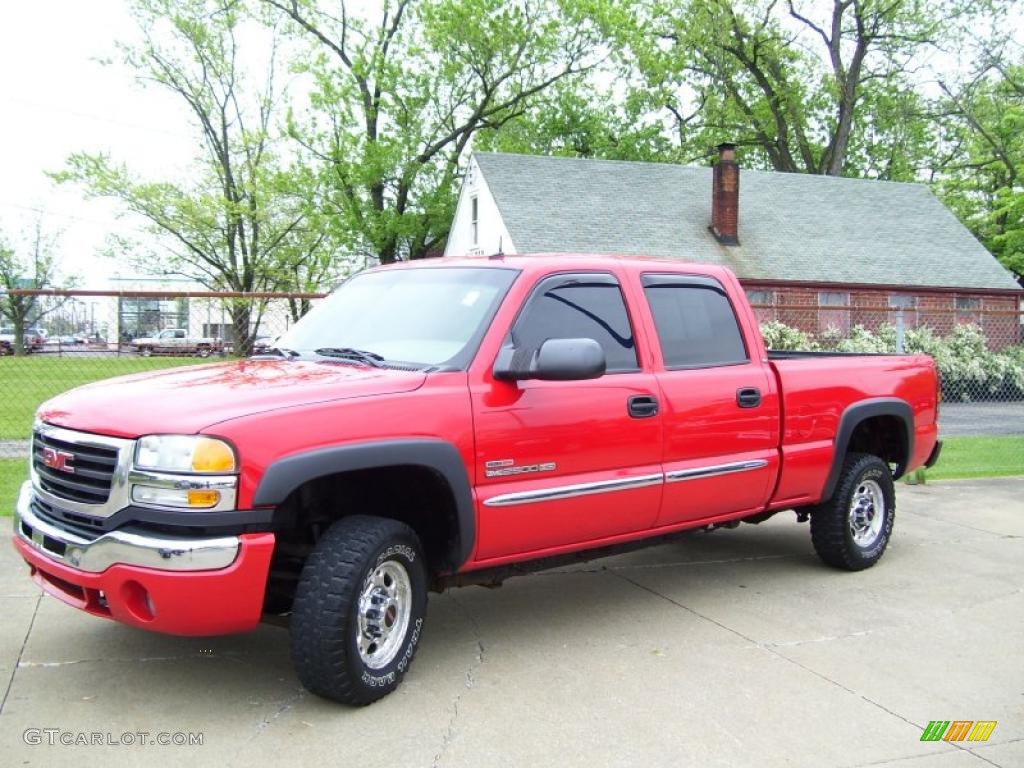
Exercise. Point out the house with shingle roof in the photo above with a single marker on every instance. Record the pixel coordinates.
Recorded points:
(812, 251)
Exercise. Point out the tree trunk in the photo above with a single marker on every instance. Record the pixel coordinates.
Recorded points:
(18, 319)
(241, 315)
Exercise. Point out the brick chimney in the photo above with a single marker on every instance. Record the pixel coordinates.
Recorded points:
(725, 196)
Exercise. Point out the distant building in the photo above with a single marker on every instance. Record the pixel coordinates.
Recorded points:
(811, 251)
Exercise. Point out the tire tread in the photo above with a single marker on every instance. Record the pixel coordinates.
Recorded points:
(321, 622)
(829, 533)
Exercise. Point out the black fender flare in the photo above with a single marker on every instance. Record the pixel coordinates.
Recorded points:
(857, 413)
(287, 474)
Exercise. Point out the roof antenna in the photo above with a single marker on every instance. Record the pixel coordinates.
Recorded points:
(501, 250)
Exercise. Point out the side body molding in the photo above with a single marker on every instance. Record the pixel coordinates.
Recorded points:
(285, 475)
(859, 412)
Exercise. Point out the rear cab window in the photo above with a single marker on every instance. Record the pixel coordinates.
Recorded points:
(695, 320)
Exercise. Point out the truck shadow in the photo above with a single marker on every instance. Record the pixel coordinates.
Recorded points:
(598, 602)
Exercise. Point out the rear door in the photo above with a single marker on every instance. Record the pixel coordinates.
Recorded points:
(567, 462)
(720, 406)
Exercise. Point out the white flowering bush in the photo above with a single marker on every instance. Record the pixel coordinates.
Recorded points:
(785, 337)
(968, 368)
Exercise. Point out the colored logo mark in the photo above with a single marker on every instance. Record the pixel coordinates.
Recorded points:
(958, 730)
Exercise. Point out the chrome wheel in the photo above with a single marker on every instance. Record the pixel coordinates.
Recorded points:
(385, 605)
(867, 513)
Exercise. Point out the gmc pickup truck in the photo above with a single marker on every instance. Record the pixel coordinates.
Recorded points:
(453, 422)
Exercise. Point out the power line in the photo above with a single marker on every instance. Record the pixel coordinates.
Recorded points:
(97, 118)
(60, 214)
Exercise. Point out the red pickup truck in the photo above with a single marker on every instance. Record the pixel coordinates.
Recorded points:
(453, 422)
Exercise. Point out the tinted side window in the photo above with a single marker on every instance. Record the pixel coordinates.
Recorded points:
(575, 309)
(696, 326)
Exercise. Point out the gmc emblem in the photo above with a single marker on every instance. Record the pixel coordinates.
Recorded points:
(59, 460)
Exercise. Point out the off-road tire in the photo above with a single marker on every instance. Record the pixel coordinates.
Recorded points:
(831, 531)
(325, 627)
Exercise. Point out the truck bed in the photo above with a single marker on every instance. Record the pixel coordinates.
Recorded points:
(817, 387)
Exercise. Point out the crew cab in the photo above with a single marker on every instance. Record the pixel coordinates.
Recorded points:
(450, 422)
(175, 341)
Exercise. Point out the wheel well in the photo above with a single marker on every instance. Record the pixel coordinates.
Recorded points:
(884, 437)
(415, 495)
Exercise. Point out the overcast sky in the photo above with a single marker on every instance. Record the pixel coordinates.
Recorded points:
(57, 99)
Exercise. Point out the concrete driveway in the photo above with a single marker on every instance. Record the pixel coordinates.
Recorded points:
(735, 648)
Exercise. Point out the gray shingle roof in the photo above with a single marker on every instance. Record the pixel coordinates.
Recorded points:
(792, 226)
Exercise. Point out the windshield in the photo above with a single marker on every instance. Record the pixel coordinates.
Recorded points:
(427, 317)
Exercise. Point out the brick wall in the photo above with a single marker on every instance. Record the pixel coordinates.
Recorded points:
(798, 306)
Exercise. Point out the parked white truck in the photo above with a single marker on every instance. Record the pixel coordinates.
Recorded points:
(176, 341)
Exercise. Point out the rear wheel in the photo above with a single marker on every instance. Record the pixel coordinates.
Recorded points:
(203, 352)
(852, 529)
(359, 609)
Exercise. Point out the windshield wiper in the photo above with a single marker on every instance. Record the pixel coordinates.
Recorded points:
(347, 353)
(277, 352)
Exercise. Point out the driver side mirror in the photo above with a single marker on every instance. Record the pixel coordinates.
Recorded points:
(556, 360)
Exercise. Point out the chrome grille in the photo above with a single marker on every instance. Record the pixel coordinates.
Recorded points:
(90, 472)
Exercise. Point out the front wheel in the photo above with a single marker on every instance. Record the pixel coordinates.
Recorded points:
(145, 351)
(359, 609)
(852, 529)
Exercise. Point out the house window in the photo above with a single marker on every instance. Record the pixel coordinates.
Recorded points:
(968, 309)
(474, 219)
(762, 302)
(900, 301)
(765, 298)
(834, 311)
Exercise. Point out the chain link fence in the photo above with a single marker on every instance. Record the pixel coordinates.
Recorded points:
(979, 353)
(75, 337)
(70, 338)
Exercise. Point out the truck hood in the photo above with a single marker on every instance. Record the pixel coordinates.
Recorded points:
(187, 400)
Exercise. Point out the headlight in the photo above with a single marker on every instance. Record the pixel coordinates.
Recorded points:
(184, 453)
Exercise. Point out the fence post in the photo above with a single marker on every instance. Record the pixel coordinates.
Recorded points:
(899, 331)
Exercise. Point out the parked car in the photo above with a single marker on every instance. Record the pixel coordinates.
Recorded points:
(31, 340)
(175, 341)
(450, 423)
(261, 344)
(35, 338)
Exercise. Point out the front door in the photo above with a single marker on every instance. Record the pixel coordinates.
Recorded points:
(566, 462)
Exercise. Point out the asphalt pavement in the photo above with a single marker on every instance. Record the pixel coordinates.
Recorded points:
(734, 648)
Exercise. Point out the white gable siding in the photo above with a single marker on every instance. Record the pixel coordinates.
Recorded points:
(492, 235)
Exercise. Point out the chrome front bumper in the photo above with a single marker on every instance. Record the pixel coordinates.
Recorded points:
(96, 555)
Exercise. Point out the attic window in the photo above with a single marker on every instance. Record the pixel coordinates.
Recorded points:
(474, 219)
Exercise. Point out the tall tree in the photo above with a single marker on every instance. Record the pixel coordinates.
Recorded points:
(810, 87)
(398, 98)
(33, 268)
(243, 223)
(981, 175)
